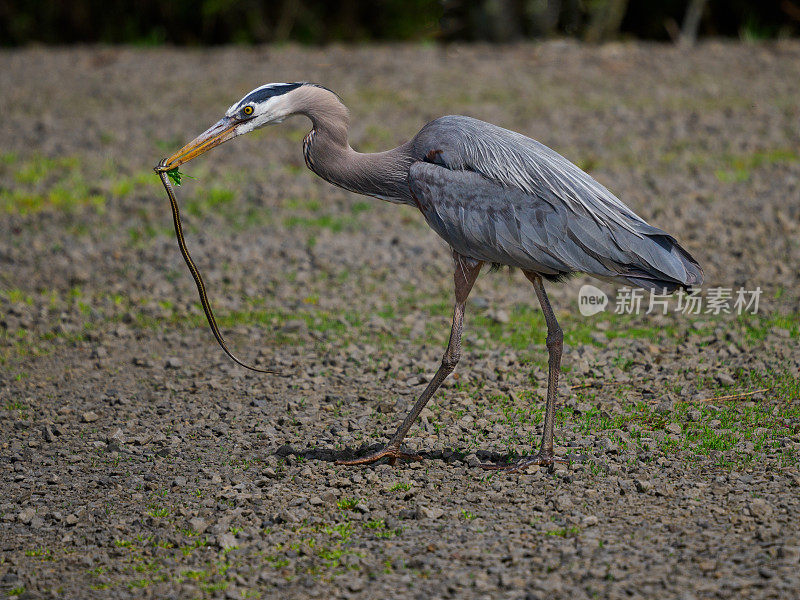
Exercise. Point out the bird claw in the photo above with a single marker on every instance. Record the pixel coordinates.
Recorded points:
(524, 462)
(391, 453)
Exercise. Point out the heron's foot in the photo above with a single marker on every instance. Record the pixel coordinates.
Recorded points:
(523, 462)
(389, 452)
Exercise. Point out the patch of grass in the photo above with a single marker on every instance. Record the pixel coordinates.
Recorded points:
(158, 512)
(400, 487)
(732, 432)
(738, 168)
(335, 223)
(42, 553)
(189, 548)
(59, 198)
(46, 184)
(380, 529)
(122, 186)
(565, 532)
(347, 503)
(211, 200)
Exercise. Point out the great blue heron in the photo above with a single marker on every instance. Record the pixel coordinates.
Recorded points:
(495, 196)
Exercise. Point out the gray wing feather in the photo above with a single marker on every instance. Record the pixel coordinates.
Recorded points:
(486, 221)
(517, 161)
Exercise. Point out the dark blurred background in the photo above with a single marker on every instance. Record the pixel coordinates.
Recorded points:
(202, 22)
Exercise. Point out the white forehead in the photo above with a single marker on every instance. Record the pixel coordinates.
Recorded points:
(264, 94)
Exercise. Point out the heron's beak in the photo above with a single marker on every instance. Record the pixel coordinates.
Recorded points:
(222, 131)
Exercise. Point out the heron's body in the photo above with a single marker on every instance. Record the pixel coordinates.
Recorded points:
(500, 197)
(495, 196)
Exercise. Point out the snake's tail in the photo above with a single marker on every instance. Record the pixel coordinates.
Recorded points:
(201, 288)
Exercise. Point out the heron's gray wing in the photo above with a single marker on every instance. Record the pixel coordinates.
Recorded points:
(517, 161)
(486, 221)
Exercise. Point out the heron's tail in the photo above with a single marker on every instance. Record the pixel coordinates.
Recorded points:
(669, 266)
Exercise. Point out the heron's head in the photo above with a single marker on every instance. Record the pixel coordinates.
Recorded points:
(270, 103)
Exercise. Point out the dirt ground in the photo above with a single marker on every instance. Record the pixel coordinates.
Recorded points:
(136, 461)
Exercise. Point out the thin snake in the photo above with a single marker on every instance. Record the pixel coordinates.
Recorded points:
(201, 288)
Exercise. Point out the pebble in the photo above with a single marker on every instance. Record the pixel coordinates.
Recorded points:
(759, 508)
(589, 521)
(89, 416)
(431, 512)
(226, 541)
(26, 515)
(725, 379)
(198, 524)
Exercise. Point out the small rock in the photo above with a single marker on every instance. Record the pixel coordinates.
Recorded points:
(26, 515)
(179, 481)
(674, 428)
(766, 572)
(479, 302)
(226, 541)
(286, 516)
(431, 512)
(198, 524)
(643, 485)
(355, 585)
(284, 450)
(498, 316)
(760, 508)
(117, 436)
(89, 416)
(724, 379)
(789, 553)
(47, 434)
(472, 460)
(408, 513)
(666, 404)
(386, 407)
(707, 565)
(99, 352)
(589, 521)
(294, 326)
(71, 520)
(173, 362)
(562, 503)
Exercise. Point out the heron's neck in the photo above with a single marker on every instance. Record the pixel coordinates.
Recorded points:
(328, 153)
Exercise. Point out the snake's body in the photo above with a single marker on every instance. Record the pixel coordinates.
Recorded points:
(201, 288)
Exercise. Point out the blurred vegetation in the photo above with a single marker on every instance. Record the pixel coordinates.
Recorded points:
(202, 22)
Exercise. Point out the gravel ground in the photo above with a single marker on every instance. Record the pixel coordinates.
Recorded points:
(137, 461)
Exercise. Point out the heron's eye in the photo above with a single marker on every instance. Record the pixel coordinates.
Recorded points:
(247, 110)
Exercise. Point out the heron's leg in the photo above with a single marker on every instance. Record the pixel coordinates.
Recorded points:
(466, 272)
(555, 344)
